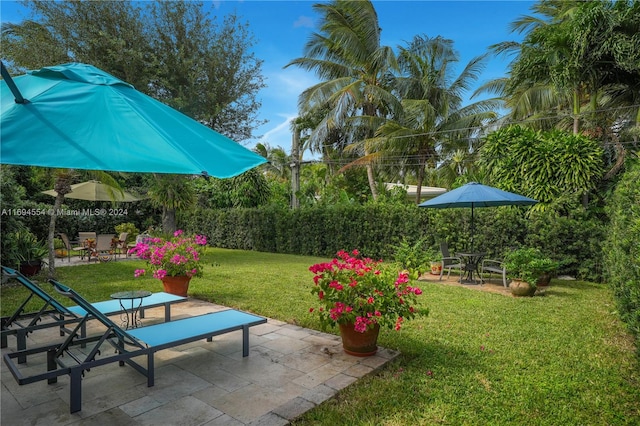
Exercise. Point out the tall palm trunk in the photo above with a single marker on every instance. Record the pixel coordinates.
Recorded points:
(422, 163)
(372, 180)
(168, 220)
(62, 187)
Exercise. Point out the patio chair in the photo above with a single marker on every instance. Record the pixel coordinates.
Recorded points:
(82, 241)
(493, 266)
(450, 262)
(121, 245)
(72, 246)
(64, 359)
(104, 250)
(53, 314)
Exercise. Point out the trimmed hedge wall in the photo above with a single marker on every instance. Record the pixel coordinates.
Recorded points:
(376, 228)
(622, 248)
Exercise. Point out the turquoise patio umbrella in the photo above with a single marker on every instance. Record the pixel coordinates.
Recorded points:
(473, 195)
(79, 117)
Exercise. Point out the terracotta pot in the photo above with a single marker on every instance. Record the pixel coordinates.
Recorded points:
(176, 285)
(436, 268)
(521, 288)
(359, 344)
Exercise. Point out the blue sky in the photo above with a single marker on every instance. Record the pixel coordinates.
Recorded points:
(281, 29)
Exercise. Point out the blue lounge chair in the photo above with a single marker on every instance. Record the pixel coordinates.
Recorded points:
(143, 341)
(53, 314)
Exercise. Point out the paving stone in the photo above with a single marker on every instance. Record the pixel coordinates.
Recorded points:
(270, 419)
(340, 381)
(294, 408)
(315, 377)
(185, 411)
(319, 394)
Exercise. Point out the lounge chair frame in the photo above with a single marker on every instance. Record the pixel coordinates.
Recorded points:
(54, 314)
(143, 341)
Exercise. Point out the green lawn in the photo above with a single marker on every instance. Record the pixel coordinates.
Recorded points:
(478, 358)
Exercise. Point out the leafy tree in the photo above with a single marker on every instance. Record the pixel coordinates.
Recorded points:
(108, 35)
(170, 50)
(208, 69)
(250, 189)
(171, 193)
(20, 42)
(279, 164)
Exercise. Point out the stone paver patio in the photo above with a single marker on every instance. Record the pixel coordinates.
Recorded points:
(289, 371)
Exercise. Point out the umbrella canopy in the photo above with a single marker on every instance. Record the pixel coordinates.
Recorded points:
(78, 116)
(95, 191)
(474, 195)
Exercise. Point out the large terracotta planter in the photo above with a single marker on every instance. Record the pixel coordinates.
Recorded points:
(176, 285)
(359, 344)
(522, 289)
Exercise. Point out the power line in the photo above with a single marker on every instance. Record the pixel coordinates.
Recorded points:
(524, 121)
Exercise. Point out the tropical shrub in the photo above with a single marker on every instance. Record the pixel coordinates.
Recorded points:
(553, 167)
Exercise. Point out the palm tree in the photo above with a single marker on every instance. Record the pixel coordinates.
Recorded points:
(541, 84)
(279, 162)
(433, 117)
(355, 71)
(172, 193)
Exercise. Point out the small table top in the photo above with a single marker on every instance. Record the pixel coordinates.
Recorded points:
(137, 294)
(471, 254)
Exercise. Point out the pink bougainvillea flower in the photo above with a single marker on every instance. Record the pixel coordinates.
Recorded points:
(160, 274)
(178, 256)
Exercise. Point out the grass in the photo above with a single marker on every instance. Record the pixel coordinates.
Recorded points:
(478, 358)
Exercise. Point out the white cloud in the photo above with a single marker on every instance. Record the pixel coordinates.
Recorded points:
(303, 21)
(285, 85)
(280, 135)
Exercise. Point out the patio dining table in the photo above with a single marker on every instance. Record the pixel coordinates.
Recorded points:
(471, 264)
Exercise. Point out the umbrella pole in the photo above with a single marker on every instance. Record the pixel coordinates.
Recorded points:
(12, 86)
(472, 228)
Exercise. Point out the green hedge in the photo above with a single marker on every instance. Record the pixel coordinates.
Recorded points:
(622, 248)
(376, 228)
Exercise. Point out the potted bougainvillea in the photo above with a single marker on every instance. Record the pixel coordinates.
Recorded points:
(360, 295)
(174, 261)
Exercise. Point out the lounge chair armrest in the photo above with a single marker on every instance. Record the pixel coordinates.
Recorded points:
(493, 262)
